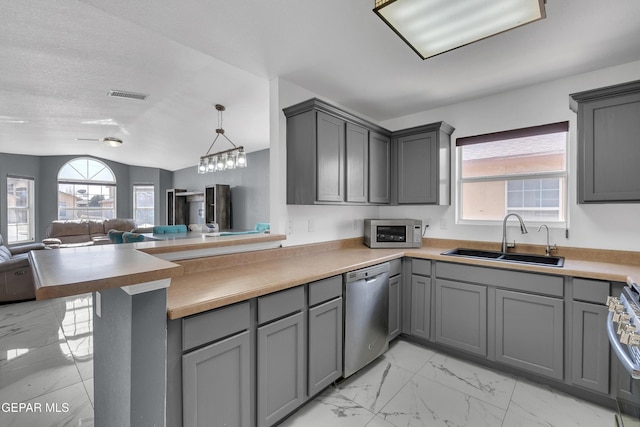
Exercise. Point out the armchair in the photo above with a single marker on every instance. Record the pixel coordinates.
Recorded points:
(16, 278)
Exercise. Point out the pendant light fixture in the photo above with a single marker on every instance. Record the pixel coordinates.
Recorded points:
(432, 27)
(222, 160)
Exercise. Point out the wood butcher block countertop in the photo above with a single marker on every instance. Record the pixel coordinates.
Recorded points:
(212, 283)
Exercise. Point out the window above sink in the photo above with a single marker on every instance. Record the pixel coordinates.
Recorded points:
(521, 171)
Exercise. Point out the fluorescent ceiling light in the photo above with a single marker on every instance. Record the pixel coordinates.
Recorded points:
(432, 27)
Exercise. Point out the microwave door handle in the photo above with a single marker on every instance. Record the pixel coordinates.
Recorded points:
(616, 345)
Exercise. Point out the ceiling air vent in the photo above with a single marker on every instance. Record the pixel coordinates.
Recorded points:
(125, 94)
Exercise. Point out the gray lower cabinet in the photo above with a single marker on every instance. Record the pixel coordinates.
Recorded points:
(215, 358)
(627, 388)
(216, 384)
(395, 298)
(530, 332)
(461, 315)
(280, 368)
(608, 154)
(325, 345)
(590, 347)
(418, 300)
(281, 363)
(420, 306)
(395, 309)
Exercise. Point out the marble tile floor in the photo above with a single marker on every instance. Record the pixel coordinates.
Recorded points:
(46, 379)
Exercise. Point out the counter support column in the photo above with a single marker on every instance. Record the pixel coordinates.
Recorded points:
(130, 348)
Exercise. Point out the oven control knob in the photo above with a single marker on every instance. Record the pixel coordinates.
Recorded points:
(613, 303)
(622, 325)
(621, 317)
(628, 334)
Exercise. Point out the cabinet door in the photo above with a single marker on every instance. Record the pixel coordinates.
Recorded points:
(280, 368)
(216, 384)
(357, 154)
(325, 345)
(418, 168)
(461, 316)
(330, 158)
(395, 283)
(420, 306)
(590, 347)
(379, 168)
(608, 154)
(529, 332)
(627, 389)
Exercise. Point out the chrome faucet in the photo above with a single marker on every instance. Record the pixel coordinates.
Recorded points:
(523, 229)
(548, 248)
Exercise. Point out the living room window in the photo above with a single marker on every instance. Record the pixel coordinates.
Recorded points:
(20, 209)
(143, 205)
(521, 171)
(86, 190)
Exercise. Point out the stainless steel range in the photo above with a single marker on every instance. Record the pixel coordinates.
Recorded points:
(623, 329)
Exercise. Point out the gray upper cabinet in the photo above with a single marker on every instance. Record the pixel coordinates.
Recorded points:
(330, 158)
(357, 147)
(379, 168)
(608, 143)
(423, 164)
(335, 157)
(328, 155)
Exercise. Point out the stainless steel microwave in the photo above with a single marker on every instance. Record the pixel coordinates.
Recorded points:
(393, 233)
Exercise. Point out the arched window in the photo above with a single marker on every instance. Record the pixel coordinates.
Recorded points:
(86, 190)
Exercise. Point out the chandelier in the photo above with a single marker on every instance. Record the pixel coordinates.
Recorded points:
(222, 160)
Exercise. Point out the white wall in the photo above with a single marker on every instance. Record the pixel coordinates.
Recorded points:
(609, 226)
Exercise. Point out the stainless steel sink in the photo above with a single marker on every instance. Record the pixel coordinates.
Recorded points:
(550, 261)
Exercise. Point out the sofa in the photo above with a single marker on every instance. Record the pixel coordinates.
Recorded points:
(16, 277)
(66, 233)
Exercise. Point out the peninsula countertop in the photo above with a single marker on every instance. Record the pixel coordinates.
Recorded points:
(207, 289)
(72, 271)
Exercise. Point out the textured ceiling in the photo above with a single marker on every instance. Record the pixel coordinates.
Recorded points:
(59, 59)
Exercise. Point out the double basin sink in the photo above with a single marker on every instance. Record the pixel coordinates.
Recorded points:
(549, 261)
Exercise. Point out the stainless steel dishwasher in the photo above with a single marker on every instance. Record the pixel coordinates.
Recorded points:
(366, 316)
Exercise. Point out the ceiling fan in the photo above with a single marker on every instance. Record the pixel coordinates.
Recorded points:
(109, 140)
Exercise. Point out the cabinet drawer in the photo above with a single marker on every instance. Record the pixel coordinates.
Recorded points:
(595, 291)
(325, 290)
(421, 267)
(274, 306)
(214, 325)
